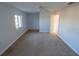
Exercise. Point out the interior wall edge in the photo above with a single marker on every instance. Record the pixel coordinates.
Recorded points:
(68, 44)
(12, 42)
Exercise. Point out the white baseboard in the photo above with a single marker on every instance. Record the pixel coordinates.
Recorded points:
(12, 43)
(68, 44)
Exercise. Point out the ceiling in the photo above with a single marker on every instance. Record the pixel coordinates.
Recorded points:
(34, 6)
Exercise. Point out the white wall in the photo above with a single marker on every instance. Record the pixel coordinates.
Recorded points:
(8, 32)
(69, 27)
(33, 20)
(44, 21)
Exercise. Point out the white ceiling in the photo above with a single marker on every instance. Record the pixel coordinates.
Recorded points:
(34, 6)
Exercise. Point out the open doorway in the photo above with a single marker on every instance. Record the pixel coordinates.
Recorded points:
(54, 23)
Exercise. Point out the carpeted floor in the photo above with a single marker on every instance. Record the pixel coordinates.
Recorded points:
(39, 44)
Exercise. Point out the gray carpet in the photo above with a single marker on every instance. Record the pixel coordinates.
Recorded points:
(39, 44)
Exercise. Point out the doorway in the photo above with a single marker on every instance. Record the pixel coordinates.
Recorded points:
(54, 23)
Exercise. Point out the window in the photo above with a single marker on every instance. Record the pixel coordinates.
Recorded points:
(18, 21)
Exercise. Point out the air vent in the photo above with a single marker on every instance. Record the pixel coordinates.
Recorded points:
(70, 3)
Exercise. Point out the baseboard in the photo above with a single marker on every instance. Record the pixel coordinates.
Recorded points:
(4, 50)
(68, 44)
(33, 30)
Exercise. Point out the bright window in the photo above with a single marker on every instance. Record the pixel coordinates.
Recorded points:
(18, 21)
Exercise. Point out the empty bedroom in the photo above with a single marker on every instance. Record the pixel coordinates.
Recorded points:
(39, 28)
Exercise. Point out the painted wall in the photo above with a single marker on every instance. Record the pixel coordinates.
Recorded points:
(8, 32)
(69, 27)
(44, 21)
(33, 20)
